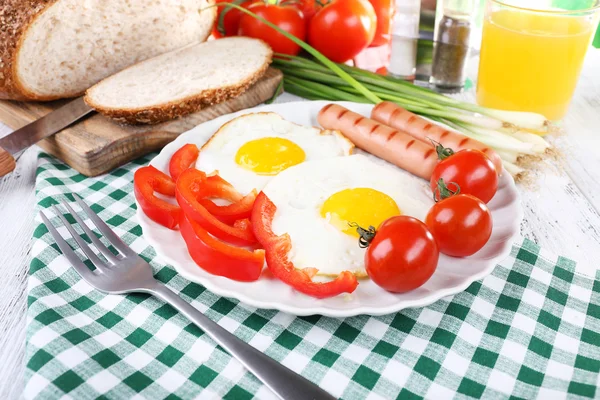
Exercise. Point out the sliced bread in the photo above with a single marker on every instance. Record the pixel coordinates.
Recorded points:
(52, 49)
(182, 81)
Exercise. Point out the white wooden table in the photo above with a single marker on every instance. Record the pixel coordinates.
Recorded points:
(562, 214)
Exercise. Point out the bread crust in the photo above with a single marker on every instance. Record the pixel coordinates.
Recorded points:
(175, 109)
(15, 18)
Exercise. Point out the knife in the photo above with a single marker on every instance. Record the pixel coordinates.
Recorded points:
(32, 133)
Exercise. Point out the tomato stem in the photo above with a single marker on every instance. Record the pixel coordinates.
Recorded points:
(442, 152)
(290, 2)
(365, 236)
(319, 3)
(443, 190)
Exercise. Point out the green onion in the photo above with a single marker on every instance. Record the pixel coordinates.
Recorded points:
(327, 91)
(503, 141)
(521, 119)
(301, 91)
(479, 116)
(508, 156)
(540, 145)
(489, 138)
(386, 95)
(513, 169)
(414, 104)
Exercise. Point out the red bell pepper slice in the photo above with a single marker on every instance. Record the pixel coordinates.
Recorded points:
(148, 180)
(220, 258)
(188, 186)
(182, 160)
(277, 249)
(217, 187)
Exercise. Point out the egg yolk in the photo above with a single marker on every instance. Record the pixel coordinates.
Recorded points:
(364, 206)
(269, 155)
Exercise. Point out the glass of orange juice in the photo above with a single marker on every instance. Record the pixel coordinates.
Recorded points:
(532, 53)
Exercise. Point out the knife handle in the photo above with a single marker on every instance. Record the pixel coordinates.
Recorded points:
(7, 162)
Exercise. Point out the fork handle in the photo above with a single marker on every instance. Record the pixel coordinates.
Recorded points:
(287, 384)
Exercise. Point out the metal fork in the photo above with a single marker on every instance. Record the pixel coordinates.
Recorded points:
(127, 272)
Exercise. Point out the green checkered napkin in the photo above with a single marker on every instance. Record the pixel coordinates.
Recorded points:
(531, 329)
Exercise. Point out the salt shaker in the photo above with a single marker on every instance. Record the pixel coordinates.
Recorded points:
(405, 34)
(452, 34)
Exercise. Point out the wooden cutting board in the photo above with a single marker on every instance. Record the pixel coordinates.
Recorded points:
(95, 145)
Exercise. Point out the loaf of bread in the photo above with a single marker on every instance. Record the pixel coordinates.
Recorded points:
(52, 49)
(182, 81)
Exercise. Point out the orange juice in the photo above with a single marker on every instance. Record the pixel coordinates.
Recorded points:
(531, 61)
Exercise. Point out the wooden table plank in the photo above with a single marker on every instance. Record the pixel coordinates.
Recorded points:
(581, 144)
(17, 203)
(563, 212)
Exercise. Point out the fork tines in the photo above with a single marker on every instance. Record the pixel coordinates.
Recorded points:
(66, 249)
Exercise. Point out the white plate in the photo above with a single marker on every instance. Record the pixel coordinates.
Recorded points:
(452, 276)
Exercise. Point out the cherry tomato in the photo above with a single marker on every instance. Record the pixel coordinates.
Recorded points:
(385, 12)
(470, 169)
(460, 224)
(288, 18)
(229, 20)
(343, 28)
(402, 255)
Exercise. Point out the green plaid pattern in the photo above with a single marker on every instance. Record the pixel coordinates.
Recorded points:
(531, 329)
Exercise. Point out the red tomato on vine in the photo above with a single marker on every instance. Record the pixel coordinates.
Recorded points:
(288, 18)
(343, 28)
(228, 19)
(385, 12)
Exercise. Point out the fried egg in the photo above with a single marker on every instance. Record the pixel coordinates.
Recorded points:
(250, 150)
(318, 201)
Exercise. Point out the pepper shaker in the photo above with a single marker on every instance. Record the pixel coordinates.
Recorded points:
(454, 19)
